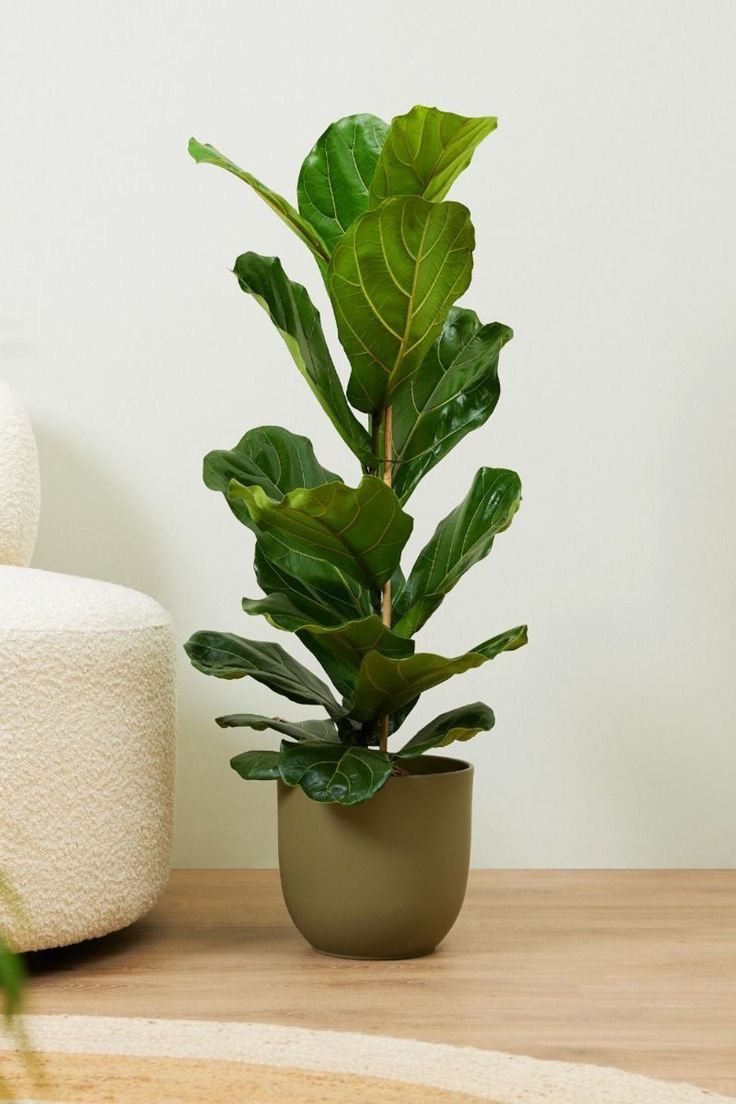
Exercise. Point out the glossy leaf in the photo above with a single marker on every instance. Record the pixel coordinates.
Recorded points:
(261, 765)
(392, 279)
(385, 685)
(298, 730)
(455, 390)
(280, 461)
(269, 457)
(206, 154)
(331, 773)
(317, 589)
(355, 639)
(351, 639)
(338, 648)
(298, 322)
(279, 610)
(426, 150)
(457, 724)
(465, 536)
(507, 641)
(359, 531)
(227, 656)
(336, 174)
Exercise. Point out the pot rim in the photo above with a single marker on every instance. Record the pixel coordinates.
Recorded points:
(459, 766)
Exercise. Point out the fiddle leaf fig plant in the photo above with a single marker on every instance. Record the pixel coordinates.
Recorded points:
(395, 257)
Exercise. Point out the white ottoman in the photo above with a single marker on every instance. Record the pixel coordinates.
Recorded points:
(86, 755)
(20, 490)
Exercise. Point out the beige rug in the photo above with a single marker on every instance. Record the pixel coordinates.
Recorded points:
(96, 1060)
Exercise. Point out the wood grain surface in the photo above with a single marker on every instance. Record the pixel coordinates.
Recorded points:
(634, 969)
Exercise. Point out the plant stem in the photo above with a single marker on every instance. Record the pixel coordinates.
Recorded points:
(374, 426)
(387, 473)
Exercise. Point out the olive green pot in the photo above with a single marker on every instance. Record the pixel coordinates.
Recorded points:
(386, 878)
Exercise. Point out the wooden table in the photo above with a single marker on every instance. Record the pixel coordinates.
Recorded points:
(635, 969)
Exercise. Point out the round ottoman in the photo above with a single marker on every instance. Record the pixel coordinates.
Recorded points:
(86, 756)
(20, 486)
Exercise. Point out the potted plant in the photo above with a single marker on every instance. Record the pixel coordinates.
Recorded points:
(373, 839)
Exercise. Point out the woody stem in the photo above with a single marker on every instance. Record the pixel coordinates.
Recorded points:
(387, 473)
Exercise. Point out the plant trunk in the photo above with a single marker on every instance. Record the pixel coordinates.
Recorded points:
(386, 596)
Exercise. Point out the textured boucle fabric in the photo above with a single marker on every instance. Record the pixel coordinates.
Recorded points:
(20, 486)
(86, 755)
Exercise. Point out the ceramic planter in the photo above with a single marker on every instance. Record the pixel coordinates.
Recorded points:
(386, 878)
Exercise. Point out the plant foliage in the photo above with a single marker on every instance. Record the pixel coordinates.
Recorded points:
(395, 256)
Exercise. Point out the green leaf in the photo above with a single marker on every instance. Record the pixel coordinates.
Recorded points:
(261, 765)
(336, 174)
(298, 322)
(12, 976)
(392, 279)
(455, 390)
(269, 457)
(457, 724)
(465, 536)
(298, 730)
(339, 648)
(279, 610)
(331, 773)
(227, 656)
(317, 589)
(425, 152)
(507, 641)
(280, 461)
(351, 639)
(356, 638)
(359, 531)
(206, 154)
(385, 685)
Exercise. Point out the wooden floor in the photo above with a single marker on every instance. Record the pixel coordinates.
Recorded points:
(625, 968)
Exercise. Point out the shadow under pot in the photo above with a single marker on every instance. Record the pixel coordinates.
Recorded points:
(386, 878)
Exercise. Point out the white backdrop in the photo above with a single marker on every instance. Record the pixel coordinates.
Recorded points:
(604, 210)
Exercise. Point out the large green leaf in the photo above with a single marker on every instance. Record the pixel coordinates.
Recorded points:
(281, 611)
(298, 322)
(426, 150)
(321, 592)
(330, 773)
(261, 765)
(355, 639)
(461, 539)
(206, 154)
(351, 639)
(227, 656)
(339, 648)
(269, 457)
(455, 390)
(280, 461)
(385, 685)
(392, 278)
(457, 724)
(361, 531)
(298, 730)
(336, 174)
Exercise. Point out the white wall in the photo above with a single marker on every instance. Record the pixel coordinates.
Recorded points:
(604, 209)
